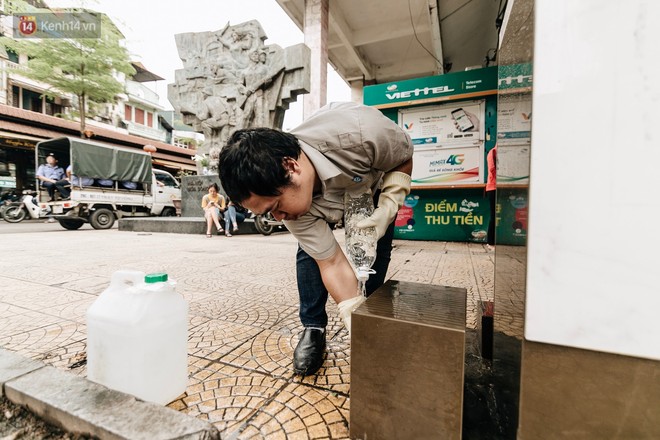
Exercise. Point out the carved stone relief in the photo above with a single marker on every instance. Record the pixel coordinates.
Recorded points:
(231, 80)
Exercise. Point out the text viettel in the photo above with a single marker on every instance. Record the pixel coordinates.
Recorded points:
(418, 92)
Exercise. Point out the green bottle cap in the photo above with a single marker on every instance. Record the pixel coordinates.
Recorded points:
(155, 278)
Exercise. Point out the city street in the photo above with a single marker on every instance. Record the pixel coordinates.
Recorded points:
(243, 320)
(33, 226)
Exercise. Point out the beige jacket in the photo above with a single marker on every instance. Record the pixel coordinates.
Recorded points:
(351, 147)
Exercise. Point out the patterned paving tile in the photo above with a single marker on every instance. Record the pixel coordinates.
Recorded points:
(269, 291)
(40, 297)
(214, 338)
(242, 311)
(72, 357)
(225, 395)
(36, 342)
(45, 275)
(272, 353)
(25, 321)
(335, 374)
(93, 285)
(9, 310)
(269, 352)
(299, 412)
(244, 321)
(286, 280)
(73, 311)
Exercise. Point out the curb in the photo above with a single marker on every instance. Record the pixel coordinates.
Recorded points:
(80, 406)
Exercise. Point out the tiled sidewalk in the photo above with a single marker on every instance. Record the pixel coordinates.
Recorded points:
(243, 316)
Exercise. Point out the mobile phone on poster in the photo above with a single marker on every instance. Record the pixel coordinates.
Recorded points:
(462, 120)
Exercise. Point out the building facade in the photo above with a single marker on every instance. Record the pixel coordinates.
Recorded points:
(29, 115)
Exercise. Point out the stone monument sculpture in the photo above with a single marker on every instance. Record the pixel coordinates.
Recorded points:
(231, 80)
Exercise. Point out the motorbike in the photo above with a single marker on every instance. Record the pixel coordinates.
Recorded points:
(266, 223)
(27, 207)
(6, 199)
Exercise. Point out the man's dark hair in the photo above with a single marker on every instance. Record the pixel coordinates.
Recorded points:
(253, 162)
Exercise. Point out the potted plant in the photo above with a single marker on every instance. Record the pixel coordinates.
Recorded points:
(203, 162)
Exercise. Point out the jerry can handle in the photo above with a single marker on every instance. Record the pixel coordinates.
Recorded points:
(126, 278)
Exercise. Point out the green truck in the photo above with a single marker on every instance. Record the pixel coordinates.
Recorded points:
(118, 182)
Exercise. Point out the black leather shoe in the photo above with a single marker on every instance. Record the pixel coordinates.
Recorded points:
(308, 357)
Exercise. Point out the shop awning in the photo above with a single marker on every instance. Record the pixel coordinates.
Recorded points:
(19, 136)
(18, 140)
(175, 165)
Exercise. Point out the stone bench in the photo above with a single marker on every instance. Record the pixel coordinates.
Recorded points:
(407, 363)
(178, 225)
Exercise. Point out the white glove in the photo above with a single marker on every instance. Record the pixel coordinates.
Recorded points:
(396, 186)
(347, 307)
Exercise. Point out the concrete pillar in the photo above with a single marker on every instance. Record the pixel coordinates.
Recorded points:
(316, 38)
(357, 90)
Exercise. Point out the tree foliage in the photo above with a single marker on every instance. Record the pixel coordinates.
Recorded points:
(88, 68)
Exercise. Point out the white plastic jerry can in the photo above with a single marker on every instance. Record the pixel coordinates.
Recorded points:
(137, 332)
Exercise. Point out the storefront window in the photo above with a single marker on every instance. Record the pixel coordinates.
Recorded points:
(17, 168)
(32, 101)
(139, 116)
(15, 96)
(12, 56)
(52, 108)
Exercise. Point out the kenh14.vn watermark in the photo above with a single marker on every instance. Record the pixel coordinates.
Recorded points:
(57, 25)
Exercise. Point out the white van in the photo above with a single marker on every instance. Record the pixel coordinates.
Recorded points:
(120, 183)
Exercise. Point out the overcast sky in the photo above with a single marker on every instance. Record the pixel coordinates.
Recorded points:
(150, 26)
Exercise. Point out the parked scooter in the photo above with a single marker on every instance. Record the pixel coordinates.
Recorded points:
(27, 207)
(266, 223)
(6, 199)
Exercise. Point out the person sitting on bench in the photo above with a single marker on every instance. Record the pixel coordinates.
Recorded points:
(78, 181)
(52, 178)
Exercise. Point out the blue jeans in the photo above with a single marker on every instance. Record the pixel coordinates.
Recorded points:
(231, 215)
(313, 294)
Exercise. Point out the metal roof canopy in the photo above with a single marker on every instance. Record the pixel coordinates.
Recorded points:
(142, 74)
(377, 40)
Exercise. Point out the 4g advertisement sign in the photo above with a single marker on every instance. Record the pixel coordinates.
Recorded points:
(447, 166)
(444, 215)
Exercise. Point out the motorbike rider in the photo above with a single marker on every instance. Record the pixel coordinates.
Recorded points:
(52, 178)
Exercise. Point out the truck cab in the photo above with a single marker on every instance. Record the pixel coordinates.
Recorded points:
(110, 182)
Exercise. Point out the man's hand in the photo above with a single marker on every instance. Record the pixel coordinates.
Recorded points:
(396, 186)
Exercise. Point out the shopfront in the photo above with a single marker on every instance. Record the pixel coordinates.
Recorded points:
(16, 163)
(452, 120)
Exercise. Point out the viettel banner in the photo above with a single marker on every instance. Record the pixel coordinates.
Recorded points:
(433, 88)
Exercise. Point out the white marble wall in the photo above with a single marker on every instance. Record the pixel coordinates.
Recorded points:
(594, 235)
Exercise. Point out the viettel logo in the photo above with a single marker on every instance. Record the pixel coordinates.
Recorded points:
(27, 24)
(392, 87)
